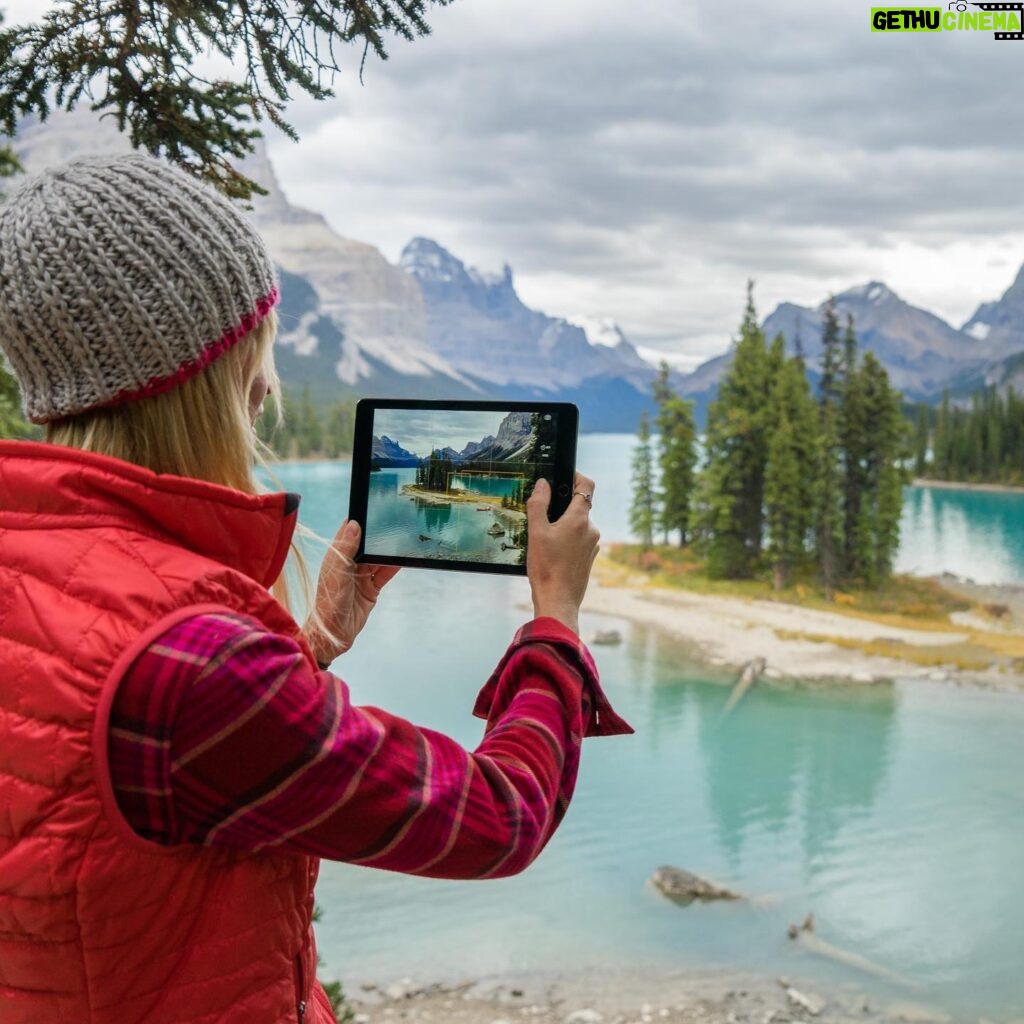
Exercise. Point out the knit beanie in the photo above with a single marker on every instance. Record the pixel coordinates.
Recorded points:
(122, 277)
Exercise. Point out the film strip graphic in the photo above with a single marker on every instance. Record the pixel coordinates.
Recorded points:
(1018, 7)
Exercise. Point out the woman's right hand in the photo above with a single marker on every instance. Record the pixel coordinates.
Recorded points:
(560, 555)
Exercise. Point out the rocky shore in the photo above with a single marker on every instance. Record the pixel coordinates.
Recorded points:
(806, 643)
(620, 997)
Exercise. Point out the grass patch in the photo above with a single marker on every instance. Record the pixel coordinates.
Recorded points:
(902, 601)
(968, 657)
(905, 602)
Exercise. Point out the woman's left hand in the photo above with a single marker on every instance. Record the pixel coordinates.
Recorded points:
(345, 595)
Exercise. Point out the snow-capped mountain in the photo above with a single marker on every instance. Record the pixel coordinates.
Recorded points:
(920, 351)
(513, 443)
(386, 452)
(475, 447)
(478, 322)
(998, 327)
(375, 310)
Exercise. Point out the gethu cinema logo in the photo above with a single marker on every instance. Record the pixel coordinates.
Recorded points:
(1003, 19)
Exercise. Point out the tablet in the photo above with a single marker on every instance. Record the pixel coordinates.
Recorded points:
(443, 485)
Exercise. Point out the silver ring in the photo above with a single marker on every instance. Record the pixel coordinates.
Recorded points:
(373, 581)
(588, 498)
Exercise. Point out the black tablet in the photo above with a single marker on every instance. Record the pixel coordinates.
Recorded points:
(443, 485)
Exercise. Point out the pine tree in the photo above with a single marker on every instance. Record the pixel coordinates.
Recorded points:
(830, 501)
(137, 61)
(9, 163)
(942, 447)
(993, 437)
(275, 428)
(677, 458)
(789, 488)
(921, 431)
(732, 500)
(642, 511)
(309, 433)
(1013, 437)
(883, 500)
(338, 430)
(975, 444)
(854, 429)
(831, 354)
(781, 494)
(830, 511)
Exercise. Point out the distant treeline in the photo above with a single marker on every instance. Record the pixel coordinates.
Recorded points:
(305, 432)
(983, 443)
(12, 423)
(789, 481)
(308, 432)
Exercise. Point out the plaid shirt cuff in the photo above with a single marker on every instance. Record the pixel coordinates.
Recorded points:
(602, 720)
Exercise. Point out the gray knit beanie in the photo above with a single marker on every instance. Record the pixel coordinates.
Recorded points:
(121, 277)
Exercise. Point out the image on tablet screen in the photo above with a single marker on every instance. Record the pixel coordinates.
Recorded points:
(452, 485)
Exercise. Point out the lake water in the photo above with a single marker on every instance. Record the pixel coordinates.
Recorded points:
(401, 524)
(894, 812)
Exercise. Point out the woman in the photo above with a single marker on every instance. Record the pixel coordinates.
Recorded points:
(174, 756)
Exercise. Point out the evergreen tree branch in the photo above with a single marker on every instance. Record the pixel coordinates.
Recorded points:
(135, 61)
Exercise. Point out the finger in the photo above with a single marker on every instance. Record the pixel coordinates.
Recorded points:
(538, 502)
(582, 495)
(346, 541)
(381, 575)
(584, 483)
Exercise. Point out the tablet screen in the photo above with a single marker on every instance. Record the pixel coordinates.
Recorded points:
(450, 485)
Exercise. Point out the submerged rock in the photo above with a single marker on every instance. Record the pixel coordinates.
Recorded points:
(683, 887)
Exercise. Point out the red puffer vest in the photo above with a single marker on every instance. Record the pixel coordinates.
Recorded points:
(97, 925)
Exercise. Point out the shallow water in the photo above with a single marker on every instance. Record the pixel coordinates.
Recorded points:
(400, 524)
(894, 812)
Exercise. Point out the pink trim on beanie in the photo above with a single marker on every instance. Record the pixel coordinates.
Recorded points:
(158, 385)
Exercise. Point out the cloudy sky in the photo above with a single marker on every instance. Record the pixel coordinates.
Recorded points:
(422, 433)
(640, 161)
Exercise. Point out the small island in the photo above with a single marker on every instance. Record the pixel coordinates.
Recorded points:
(454, 487)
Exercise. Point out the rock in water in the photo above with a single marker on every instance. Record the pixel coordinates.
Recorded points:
(683, 887)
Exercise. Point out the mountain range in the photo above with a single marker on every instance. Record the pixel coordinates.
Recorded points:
(351, 322)
(514, 442)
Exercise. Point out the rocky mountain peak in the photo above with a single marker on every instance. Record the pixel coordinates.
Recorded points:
(600, 330)
(432, 263)
(999, 326)
(874, 292)
(443, 273)
(514, 428)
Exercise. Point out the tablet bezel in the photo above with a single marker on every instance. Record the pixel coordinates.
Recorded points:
(561, 489)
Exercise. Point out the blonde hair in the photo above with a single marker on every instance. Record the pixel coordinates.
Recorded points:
(201, 429)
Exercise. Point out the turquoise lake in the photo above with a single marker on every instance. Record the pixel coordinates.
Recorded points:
(894, 812)
(402, 525)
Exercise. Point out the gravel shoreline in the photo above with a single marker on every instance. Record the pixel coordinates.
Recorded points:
(731, 631)
(633, 997)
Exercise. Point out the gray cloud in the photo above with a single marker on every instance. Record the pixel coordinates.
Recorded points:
(642, 161)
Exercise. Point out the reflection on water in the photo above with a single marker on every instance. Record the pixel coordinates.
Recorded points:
(407, 525)
(893, 812)
(978, 535)
(779, 758)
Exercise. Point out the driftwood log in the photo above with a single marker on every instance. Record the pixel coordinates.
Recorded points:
(807, 939)
(752, 671)
(683, 888)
